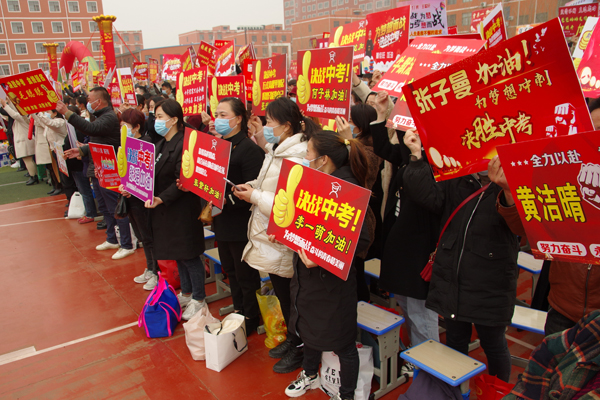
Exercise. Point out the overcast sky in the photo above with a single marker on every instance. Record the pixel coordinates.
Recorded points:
(162, 21)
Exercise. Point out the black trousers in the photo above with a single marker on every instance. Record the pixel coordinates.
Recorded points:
(556, 322)
(140, 222)
(493, 343)
(244, 280)
(282, 291)
(349, 366)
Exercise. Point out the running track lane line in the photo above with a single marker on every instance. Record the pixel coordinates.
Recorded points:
(31, 222)
(32, 205)
(30, 351)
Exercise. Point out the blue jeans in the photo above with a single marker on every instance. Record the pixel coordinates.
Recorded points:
(191, 277)
(422, 322)
(83, 185)
(107, 202)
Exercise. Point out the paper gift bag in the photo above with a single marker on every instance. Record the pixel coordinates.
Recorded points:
(225, 341)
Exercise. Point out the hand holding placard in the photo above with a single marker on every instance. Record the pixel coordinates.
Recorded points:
(284, 208)
(303, 83)
(187, 161)
(413, 142)
(121, 157)
(256, 85)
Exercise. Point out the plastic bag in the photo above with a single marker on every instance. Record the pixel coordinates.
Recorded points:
(194, 333)
(489, 387)
(274, 323)
(330, 373)
(76, 207)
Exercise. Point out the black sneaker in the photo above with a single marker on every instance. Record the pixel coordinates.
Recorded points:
(281, 350)
(290, 362)
(101, 225)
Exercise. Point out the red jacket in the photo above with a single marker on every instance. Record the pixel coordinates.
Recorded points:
(574, 288)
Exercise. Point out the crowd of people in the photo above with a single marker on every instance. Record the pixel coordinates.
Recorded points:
(474, 277)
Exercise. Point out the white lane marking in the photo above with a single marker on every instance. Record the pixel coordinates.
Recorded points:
(16, 357)
(33, 205)
(522, 343)
(14, 183)
(26, 352)
(31, 222)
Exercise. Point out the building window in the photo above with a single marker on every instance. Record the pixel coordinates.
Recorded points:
(283, 38)
(93, 26)
(264, 51)
(254, 39)
(73, 6)
(37, 27)
(95, 45)
(61, 47)
(466, 1)
(17, 27)
(44, 66)
(57, 27)
(370, 5)
(125, 37)
(24, 68)
(117, 50)
(336, 24)
(378, 4)
(452, 20)
(76, 27)
(4, 70)
(136, 38)
(362, 7)
(506, 12)
(326, 13)
(1, 30)
(138, 47)
(34, 6)
(303, 9)
(320, 7)
(219, 36)
(309, 27)
(273, 38)
(202, 36)
(54, 6)
(466, 19)
(264, 38)
(320, 14)
(287, 4)
(39, 48)
(541, 17)
(523, 19)
(451, 2)
(2, 48)
(92, 7)
(13, 5)
(326, 5)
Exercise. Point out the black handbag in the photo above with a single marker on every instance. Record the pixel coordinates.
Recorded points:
(121, 208)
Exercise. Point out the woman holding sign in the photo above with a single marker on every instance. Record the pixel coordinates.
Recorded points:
(324, 313)
(177, 232)
(284, 137)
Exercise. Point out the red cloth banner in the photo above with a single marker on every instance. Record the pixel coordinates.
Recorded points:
(325, 85)
(573, 18)
(191, 93)
(221, 43)
(171, 67)
(105, 165)
(492, 28)
(522, 89)
(105, 26)
(140, 71)
(352, 34)
(424, 56)
(153, 70)
(204, 164)
(318, 213)
(225, 59)
(269, 81)
(225, 86)
(30, 92)
(555, 183)
(245, 53)
(387, 36)
(477, 16)
(52, 59)
(206, 56)
(247, 72)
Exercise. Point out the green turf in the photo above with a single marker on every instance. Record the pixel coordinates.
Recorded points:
(13, 188)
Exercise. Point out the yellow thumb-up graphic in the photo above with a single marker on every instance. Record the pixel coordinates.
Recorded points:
(121, 157)
(50, 94)
(337, 36)
(187, 160)
(213, 99)
(284, 208)
(256, 86)
(303, 80)
(179, 96)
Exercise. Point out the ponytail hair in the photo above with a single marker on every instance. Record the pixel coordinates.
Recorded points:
(284, 110)
(342, 152)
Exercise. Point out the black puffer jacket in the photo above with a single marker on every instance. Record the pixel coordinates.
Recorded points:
(475, 271)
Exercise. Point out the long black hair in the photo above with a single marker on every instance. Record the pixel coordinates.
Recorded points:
(362, 115)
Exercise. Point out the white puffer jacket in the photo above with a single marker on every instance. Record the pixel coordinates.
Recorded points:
(259, 252)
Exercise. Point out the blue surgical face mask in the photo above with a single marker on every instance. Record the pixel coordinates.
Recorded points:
(164, 91)
(129, 132)
(352, 129)
(89, 107)
(293, 99)
(306, 162)
(222, 126)
(270, 135)
(48, 115)
(160, 126)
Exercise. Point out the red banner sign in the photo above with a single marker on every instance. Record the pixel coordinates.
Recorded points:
(573, 18)
(204, 164)
(269, 81)
(492, 28)
(153, 70)
(477, 16)
(522, 89)
(245, 53)
(555, 185)
(206, 56)
(387, 36)
(186, 60)
(588, 67)
(325, 85)
(171, 67)
(352, 34)
(221, 43)
(318, 213)
(247, 72)
(105, 165)
(114, 89)
(126, 86)
(293, 72)
(140, 71)
(191, 93)
(225, 86)
(225, 59)
(424, 56)
(30, 92)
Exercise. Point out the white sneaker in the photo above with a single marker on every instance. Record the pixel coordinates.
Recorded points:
(151, 284)
(122, 253)
(143, 278)
(408, 369)
(302, 384)
(107, 246)
(184, 300)
(193, 307)
(15, 165)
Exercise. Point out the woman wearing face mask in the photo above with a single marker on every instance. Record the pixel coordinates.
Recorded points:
(324, 312)
(137, 213)
(231, 225)
(177, 232)
(284, 137)
(168, 90)
(151, 118)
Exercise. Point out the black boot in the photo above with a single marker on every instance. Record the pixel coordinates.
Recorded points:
(281, 350)
(290, 362)
(32, 180)
(27, 175)
(56, 192)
